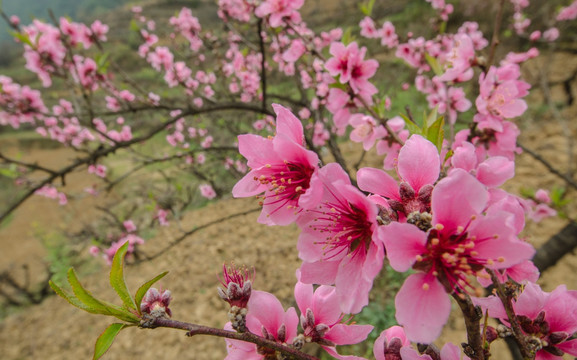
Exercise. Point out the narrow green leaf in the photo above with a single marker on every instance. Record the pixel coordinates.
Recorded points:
(134, 25)
(370, 6)
(22, 37)
(436, 133)
(144, 288)
(411, 126)
(431, 118)
(73, 300)
(117, 277)
(437, 69)
(103, 307)
(106, 339)
(364, 9)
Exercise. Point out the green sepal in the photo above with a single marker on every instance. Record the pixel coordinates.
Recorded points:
(117, 277)
(144, 288)
(106, 339)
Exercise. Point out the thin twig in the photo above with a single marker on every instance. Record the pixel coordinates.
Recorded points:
(496, 30)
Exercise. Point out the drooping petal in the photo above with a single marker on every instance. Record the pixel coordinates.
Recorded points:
(419, 162)
(423, 308)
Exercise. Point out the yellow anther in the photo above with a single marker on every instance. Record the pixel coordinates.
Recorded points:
(439, 227)
(435, 241)
(425, 286)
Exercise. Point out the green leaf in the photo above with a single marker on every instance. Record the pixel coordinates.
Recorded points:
(437, 69)
(90, 301)
(22, 37)
(73, 300)
(117, 277)
(9, 172)
(436, 133)
(144, 288)
(134, 25)
(411, 126)
(347, 38)
(106, 339)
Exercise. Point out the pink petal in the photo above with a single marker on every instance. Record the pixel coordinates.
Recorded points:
(342, 334)
(456, 199)
(570, 347)
(419, 162)
(287, 124)
(248, 186)
(408, 353)
(495, 171)
(422, 312)
(403, 242)
(304, 296)
(257, 150)
(322, 272)
(264, 309)
(378, 182)
(352, 286)
(333, 352)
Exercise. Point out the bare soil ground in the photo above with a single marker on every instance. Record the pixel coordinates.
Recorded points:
(56, 330)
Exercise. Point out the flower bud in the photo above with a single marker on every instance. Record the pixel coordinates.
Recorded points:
(155, 303)
(237, 285)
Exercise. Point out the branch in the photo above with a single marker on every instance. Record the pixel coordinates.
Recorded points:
(262, 63)
(194, 329)
(474, 347)
(520, 338)
(496, 30)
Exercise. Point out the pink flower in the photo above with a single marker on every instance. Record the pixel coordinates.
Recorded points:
(551, 318)
(237, 283)
(279, 10)
(267, 318)
(460, 242)
(339, 241)
(281, 168)
(348, 63)
(366, 130)
(551, 34)
(129, 226)
(568, 12)
(500, 92)
(389, 344)
(418, 169)
(207, 191)
(322, 320)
